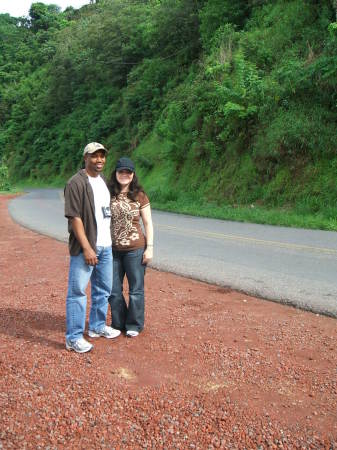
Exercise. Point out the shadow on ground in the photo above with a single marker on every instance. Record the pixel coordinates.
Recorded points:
(33, 326)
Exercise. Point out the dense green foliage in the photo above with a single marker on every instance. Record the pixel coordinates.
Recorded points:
(4, 178)
(218, 101)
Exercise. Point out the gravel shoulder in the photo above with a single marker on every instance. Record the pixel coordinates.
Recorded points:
(214, 368)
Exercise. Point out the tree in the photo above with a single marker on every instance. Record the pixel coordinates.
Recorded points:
(44, 16)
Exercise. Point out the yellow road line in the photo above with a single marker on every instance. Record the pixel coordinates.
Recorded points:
(233, 237)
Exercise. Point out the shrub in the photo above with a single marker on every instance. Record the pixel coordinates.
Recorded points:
(4, 178)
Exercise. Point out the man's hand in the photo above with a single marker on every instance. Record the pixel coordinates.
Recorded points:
(88, 252)
(90, 257)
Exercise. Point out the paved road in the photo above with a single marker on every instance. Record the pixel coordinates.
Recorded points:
(293, 266)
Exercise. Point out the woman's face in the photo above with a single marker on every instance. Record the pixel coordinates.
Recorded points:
(124, 177)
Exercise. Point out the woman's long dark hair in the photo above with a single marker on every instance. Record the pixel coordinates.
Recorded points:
(134, 188)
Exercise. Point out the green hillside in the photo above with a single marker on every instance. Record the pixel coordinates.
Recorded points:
(227, 107)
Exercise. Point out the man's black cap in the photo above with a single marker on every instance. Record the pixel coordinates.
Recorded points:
(125, 164)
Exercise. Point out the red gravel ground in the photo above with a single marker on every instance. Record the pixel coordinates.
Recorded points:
(213, 368)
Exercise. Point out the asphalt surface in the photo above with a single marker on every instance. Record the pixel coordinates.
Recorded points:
(291, 266)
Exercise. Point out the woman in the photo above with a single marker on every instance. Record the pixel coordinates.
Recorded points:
(132, 250)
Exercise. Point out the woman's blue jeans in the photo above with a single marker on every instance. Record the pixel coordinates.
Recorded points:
(101, 282)
(128, 263)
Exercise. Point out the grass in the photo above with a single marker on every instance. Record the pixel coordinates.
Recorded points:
(38, 184)
(184, 194)
(252, 214)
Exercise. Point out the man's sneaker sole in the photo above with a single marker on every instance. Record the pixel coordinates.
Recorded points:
(70, 348)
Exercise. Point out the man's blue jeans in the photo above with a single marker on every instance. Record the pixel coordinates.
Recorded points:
(128, 263)
(101, 282)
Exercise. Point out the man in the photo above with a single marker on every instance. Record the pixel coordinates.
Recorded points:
(87, 208)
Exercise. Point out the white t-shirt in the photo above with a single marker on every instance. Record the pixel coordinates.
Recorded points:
(102, 199)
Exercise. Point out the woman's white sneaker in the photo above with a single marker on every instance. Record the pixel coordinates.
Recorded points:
(132, 333)
(106, 331)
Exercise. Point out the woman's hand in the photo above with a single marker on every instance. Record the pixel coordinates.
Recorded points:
(148, 255)
(148, 228)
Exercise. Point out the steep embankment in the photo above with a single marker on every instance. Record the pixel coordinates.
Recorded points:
(219, 104)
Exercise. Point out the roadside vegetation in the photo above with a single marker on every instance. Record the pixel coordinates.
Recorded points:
(228, 108)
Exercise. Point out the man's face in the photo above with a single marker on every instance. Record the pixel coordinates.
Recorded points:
(94, 162)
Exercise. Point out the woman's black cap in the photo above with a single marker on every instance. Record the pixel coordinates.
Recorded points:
(125, 164)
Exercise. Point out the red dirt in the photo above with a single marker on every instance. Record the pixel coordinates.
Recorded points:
(213, 368)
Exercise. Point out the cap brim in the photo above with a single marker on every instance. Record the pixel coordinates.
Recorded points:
(90, 152)
(125, 168)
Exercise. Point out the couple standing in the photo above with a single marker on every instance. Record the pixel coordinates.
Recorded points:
(106, 242)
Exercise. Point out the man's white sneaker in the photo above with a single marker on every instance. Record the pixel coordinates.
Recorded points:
(79, 346)
(132, 333)
(107, 332)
